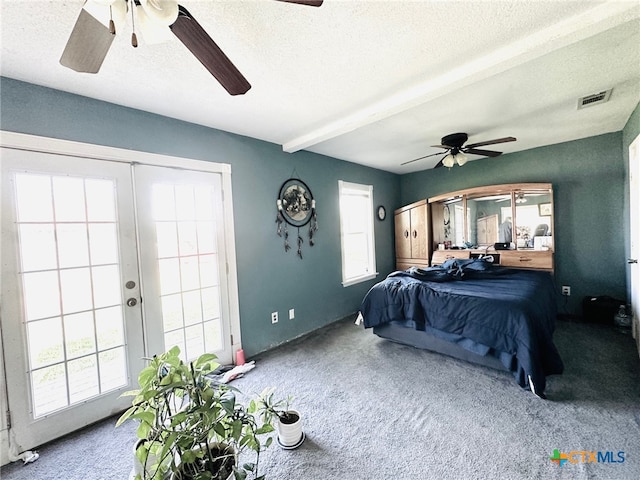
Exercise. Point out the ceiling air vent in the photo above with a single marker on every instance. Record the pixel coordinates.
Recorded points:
(594, 99)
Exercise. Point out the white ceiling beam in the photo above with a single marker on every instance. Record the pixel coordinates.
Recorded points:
(599, 19)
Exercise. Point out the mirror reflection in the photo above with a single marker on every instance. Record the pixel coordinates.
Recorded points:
(533, 217)
(490, 219)
(518, 216)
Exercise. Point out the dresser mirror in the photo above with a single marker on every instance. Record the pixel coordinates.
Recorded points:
(490, 219)
(512, 222)
(534, 216)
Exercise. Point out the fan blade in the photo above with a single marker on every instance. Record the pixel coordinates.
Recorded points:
(426, 156)
(311, 3)
(484, 153)
(88, 44)
(492, 142)
(196, 39)
(441, 146)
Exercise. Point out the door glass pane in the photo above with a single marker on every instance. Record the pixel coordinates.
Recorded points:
(103, 243)
(83, 378)
(68, 249)
(76, 290)
(68, 199)
(38, 247)
(101, 205)
(49, 389)
(41, 295)
(109, 329)
(113, 369)
(46, 345)
(33, 195)
(188, 265)
(79, 334)
(73, 250)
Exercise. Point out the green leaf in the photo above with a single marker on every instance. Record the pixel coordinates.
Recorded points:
(266, 428)
(228, 402)
(149, 394)
(145, 416)
(236, 430)
(126, 415)
(143, 430)
(188, 456)
(146, 376)
(206, 358)
(130, 393)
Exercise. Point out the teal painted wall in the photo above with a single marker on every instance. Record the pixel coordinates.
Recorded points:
(588, 178)
(268, 278)
(629, 133)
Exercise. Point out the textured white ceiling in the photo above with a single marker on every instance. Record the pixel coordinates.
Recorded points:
(372, 82)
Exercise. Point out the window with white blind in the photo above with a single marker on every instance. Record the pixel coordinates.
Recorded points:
(356, 232)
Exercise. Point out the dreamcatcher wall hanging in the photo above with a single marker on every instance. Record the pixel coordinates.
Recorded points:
(296, 207)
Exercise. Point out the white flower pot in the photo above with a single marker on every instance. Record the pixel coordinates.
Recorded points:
(290, 435)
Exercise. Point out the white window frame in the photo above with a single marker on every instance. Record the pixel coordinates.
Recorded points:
(348, 188)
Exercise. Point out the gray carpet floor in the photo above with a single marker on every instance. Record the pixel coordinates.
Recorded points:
(377, 410)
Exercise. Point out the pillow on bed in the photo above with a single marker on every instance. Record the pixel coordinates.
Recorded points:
(476, 264)
(459, 267)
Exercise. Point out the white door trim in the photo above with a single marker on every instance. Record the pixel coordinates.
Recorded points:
(634, 231)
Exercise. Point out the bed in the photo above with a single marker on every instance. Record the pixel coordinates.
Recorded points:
(474, 310)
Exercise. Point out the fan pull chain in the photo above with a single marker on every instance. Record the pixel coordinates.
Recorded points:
(112, 25)
(134, 38)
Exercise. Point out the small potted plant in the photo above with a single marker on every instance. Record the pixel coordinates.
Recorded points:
(191, 428)
(287, 420)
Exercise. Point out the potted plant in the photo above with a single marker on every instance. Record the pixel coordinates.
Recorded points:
(287, 420)
(189, 427)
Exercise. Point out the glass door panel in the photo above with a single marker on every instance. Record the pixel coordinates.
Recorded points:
(68, 243)
(187, 303)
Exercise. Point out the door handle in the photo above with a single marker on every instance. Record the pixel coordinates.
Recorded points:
(632, 260)
(132, 302)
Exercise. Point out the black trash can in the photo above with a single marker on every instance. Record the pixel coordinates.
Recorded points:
(600, 309)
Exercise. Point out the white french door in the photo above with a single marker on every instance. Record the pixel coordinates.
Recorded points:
(634, 222)
(183, 295)
(104, 263)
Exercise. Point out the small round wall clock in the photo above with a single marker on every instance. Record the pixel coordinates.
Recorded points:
(382, 213)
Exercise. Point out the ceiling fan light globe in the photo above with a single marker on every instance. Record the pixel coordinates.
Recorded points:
(161, 12)
(461, 158)
(152, 32)
(448, 161)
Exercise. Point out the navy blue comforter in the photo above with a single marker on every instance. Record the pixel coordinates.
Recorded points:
(512, 311)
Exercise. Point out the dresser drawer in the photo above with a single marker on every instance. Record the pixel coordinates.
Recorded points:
(406, 264)
(527, 259)
(441, 256)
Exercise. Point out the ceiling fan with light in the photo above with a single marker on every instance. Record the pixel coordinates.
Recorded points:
(99, 20)
(455, 151)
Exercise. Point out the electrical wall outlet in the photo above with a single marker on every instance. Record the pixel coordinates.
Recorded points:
(292, 314)
(566, 290)
(274, 317)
